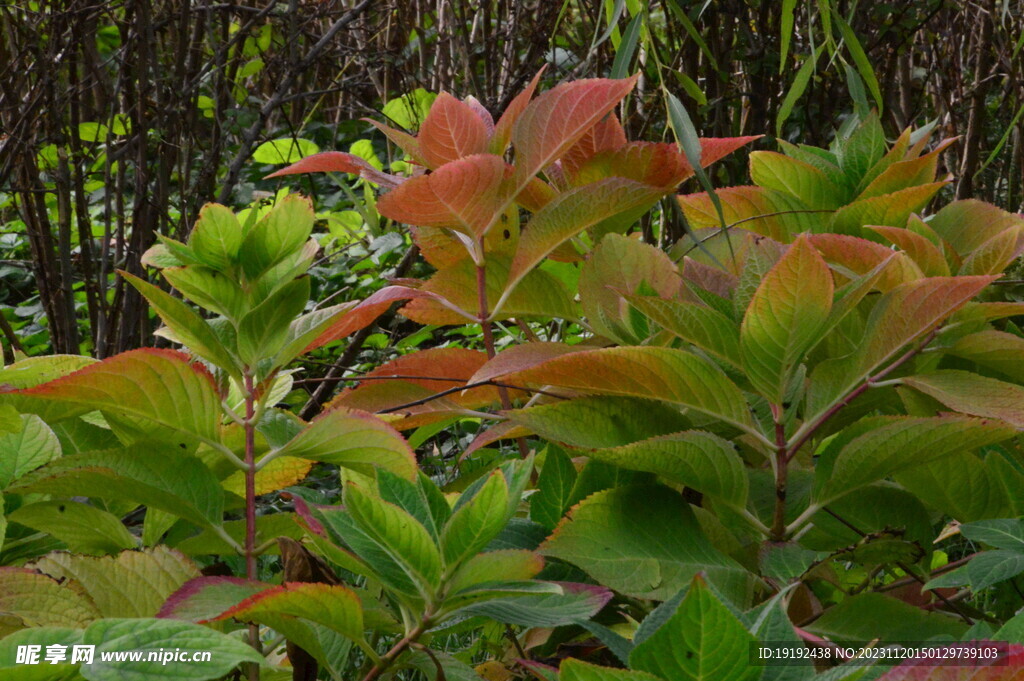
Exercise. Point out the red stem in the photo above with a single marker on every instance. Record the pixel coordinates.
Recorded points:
(856, 392)
(781, 476)
(251, 571)
(485, 324)
(389, 657)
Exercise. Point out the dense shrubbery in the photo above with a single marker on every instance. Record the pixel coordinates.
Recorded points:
(796, 426)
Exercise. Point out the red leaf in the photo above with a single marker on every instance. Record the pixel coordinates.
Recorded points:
(659, 165)
(466, 195)
(451, 130)
(403, 140)
(556, 120)
(1005, 667)
(419, 375)
(503, 130)
(715, 148)
(607, 135)
(339, 162)
(366, 312)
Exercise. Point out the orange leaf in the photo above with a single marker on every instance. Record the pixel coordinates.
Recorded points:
(557, 119)
(339, 162)
(503, 130)
(451, 130)
(607, 135)
(466, 195)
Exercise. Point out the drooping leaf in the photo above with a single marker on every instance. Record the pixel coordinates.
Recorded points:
(146, 473)
(574, 211)
(339, 162)
(162, 387)
(577, 670)
(619, 267)
(972, 394)
(32, 599)
(574, 603)
(899, 443)
(32, 445)
(646, 372)
(130, 584)
(600, 422)
(703, 326)
(418, 375)
(641, 541)
(354, 440)
(85, 529)
(333, 606)
(157, 637)
(203, 598)
(873, 616)
(1002, 533)
(699, 460)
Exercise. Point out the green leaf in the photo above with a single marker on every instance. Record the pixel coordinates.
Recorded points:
(209, 289)
(287, 150)
(696, 459)
(279, 235)
(399, 535)
(599, 422)
(31, 599)
(554, 488)
(159, 387)
(860, 58)
(657, 373)
(130, 584)
(705, 327)
(641, 541)
(186, 326)
(577, 670)
(1002, 533)
(899, 443)
(992, 567)
(796, 90)
(409, 110)
(85, 529)
(574, 211)
(335, 607)
(264, 331)
(509, 565)
(216, 237)
(145, 473)
(161, 637)
(27, 448)
(572, 603)
(354, 440)
(867, 617)
(964, 486)
(972, 394)
(798, 178)
(702, 641)
(476, 522)
(785, 318)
